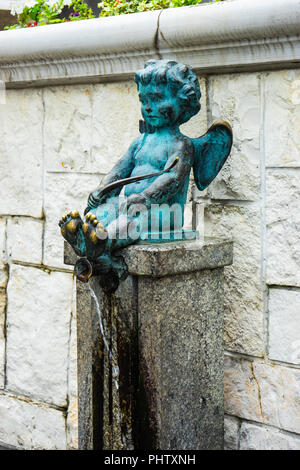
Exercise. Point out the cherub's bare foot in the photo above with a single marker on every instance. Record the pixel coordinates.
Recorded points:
(95, 236)
(71, 230)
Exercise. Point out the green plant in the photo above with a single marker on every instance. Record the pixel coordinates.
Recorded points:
(41, 12)
(121, 7)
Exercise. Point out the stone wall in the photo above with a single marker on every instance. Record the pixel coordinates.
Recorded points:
(58, 138)
(56, 144)
(255, 200)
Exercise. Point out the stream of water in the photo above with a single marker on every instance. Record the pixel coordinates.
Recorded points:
(115, 369)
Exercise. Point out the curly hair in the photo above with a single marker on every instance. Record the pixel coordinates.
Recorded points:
(181, 80)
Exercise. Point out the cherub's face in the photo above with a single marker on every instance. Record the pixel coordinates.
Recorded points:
(159, 107)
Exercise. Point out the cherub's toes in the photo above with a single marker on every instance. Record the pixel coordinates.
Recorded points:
(102, 232)
(70, 222)
(71, 226)
(62, 221)
(93, 229)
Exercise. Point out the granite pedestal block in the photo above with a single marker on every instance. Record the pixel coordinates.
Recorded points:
(153, 378)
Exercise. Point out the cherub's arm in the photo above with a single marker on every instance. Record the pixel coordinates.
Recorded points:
(122, 169)
(166, 185)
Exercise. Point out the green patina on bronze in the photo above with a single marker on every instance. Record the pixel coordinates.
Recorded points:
(155, 171)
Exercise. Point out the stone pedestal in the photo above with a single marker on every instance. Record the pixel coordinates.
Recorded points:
(153, 379)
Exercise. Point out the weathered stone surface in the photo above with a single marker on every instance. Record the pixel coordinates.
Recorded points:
(243, 297)
(284, 325)
(2, 336)
(116, 115)
(241, 390)
(236, 99)
(180, 325)
(283, 221)
(282, 115)
(180, 329)
(21, 121)
(72, 416)
(198, 124)
(263, 393)
(280, 398)
(255, 437)
(3, 254)
(231, 433)
(38, 324)
(65, 192)
(2, 241)
(3, 276)
(24, 239)
(149, 259)
(68, 132)
(31, 426)
(90, 371)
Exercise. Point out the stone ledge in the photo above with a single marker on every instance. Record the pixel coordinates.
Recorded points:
(167, 259)
(112, 48)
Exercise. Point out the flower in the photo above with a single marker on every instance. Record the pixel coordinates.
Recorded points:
(16, 8)
(51, 3)
(30, 3)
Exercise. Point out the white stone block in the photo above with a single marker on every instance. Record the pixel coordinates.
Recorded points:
(3, 254)
(68, 128)
(242, 295)
(3, 276)
(116, 113)
(236, 99)
(72, 415)
(21, 153)
(65, 192)
(25, 239)
(2, 336)
(260, 392)
(2, 241)
(280, 395)
(284, 325)
(31, 426)
(38, 333)
(283, 227)
(254, 437)
(241, 390)
(282, 116)
(231, 433)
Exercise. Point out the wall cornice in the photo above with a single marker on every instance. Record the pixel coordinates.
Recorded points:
(235, 35)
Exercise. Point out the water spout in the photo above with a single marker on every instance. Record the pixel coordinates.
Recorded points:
(83, 269)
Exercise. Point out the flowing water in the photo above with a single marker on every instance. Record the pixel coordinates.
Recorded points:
(115, 369)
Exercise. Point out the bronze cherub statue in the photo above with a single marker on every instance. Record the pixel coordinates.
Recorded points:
(155, 171)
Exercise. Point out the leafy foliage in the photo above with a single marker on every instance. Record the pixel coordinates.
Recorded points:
(42, 12)
(121, 7)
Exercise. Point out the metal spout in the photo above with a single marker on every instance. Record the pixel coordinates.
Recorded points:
(83, 269)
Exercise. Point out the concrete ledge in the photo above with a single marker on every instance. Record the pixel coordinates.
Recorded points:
(166, 316)
(147, 259)
(220, 37)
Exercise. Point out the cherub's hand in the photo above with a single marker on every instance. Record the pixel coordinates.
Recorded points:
(95, 198)
(133, 200)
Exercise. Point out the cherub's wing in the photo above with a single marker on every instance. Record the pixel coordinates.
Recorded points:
(211, 152)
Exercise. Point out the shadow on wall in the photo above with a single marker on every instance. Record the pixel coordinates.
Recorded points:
(6, 18)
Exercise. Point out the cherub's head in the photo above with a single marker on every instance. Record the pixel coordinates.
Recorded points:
(169, 93)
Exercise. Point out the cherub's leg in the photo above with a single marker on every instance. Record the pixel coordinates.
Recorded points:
(121, 232)
(71, 230)
(95, 237)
